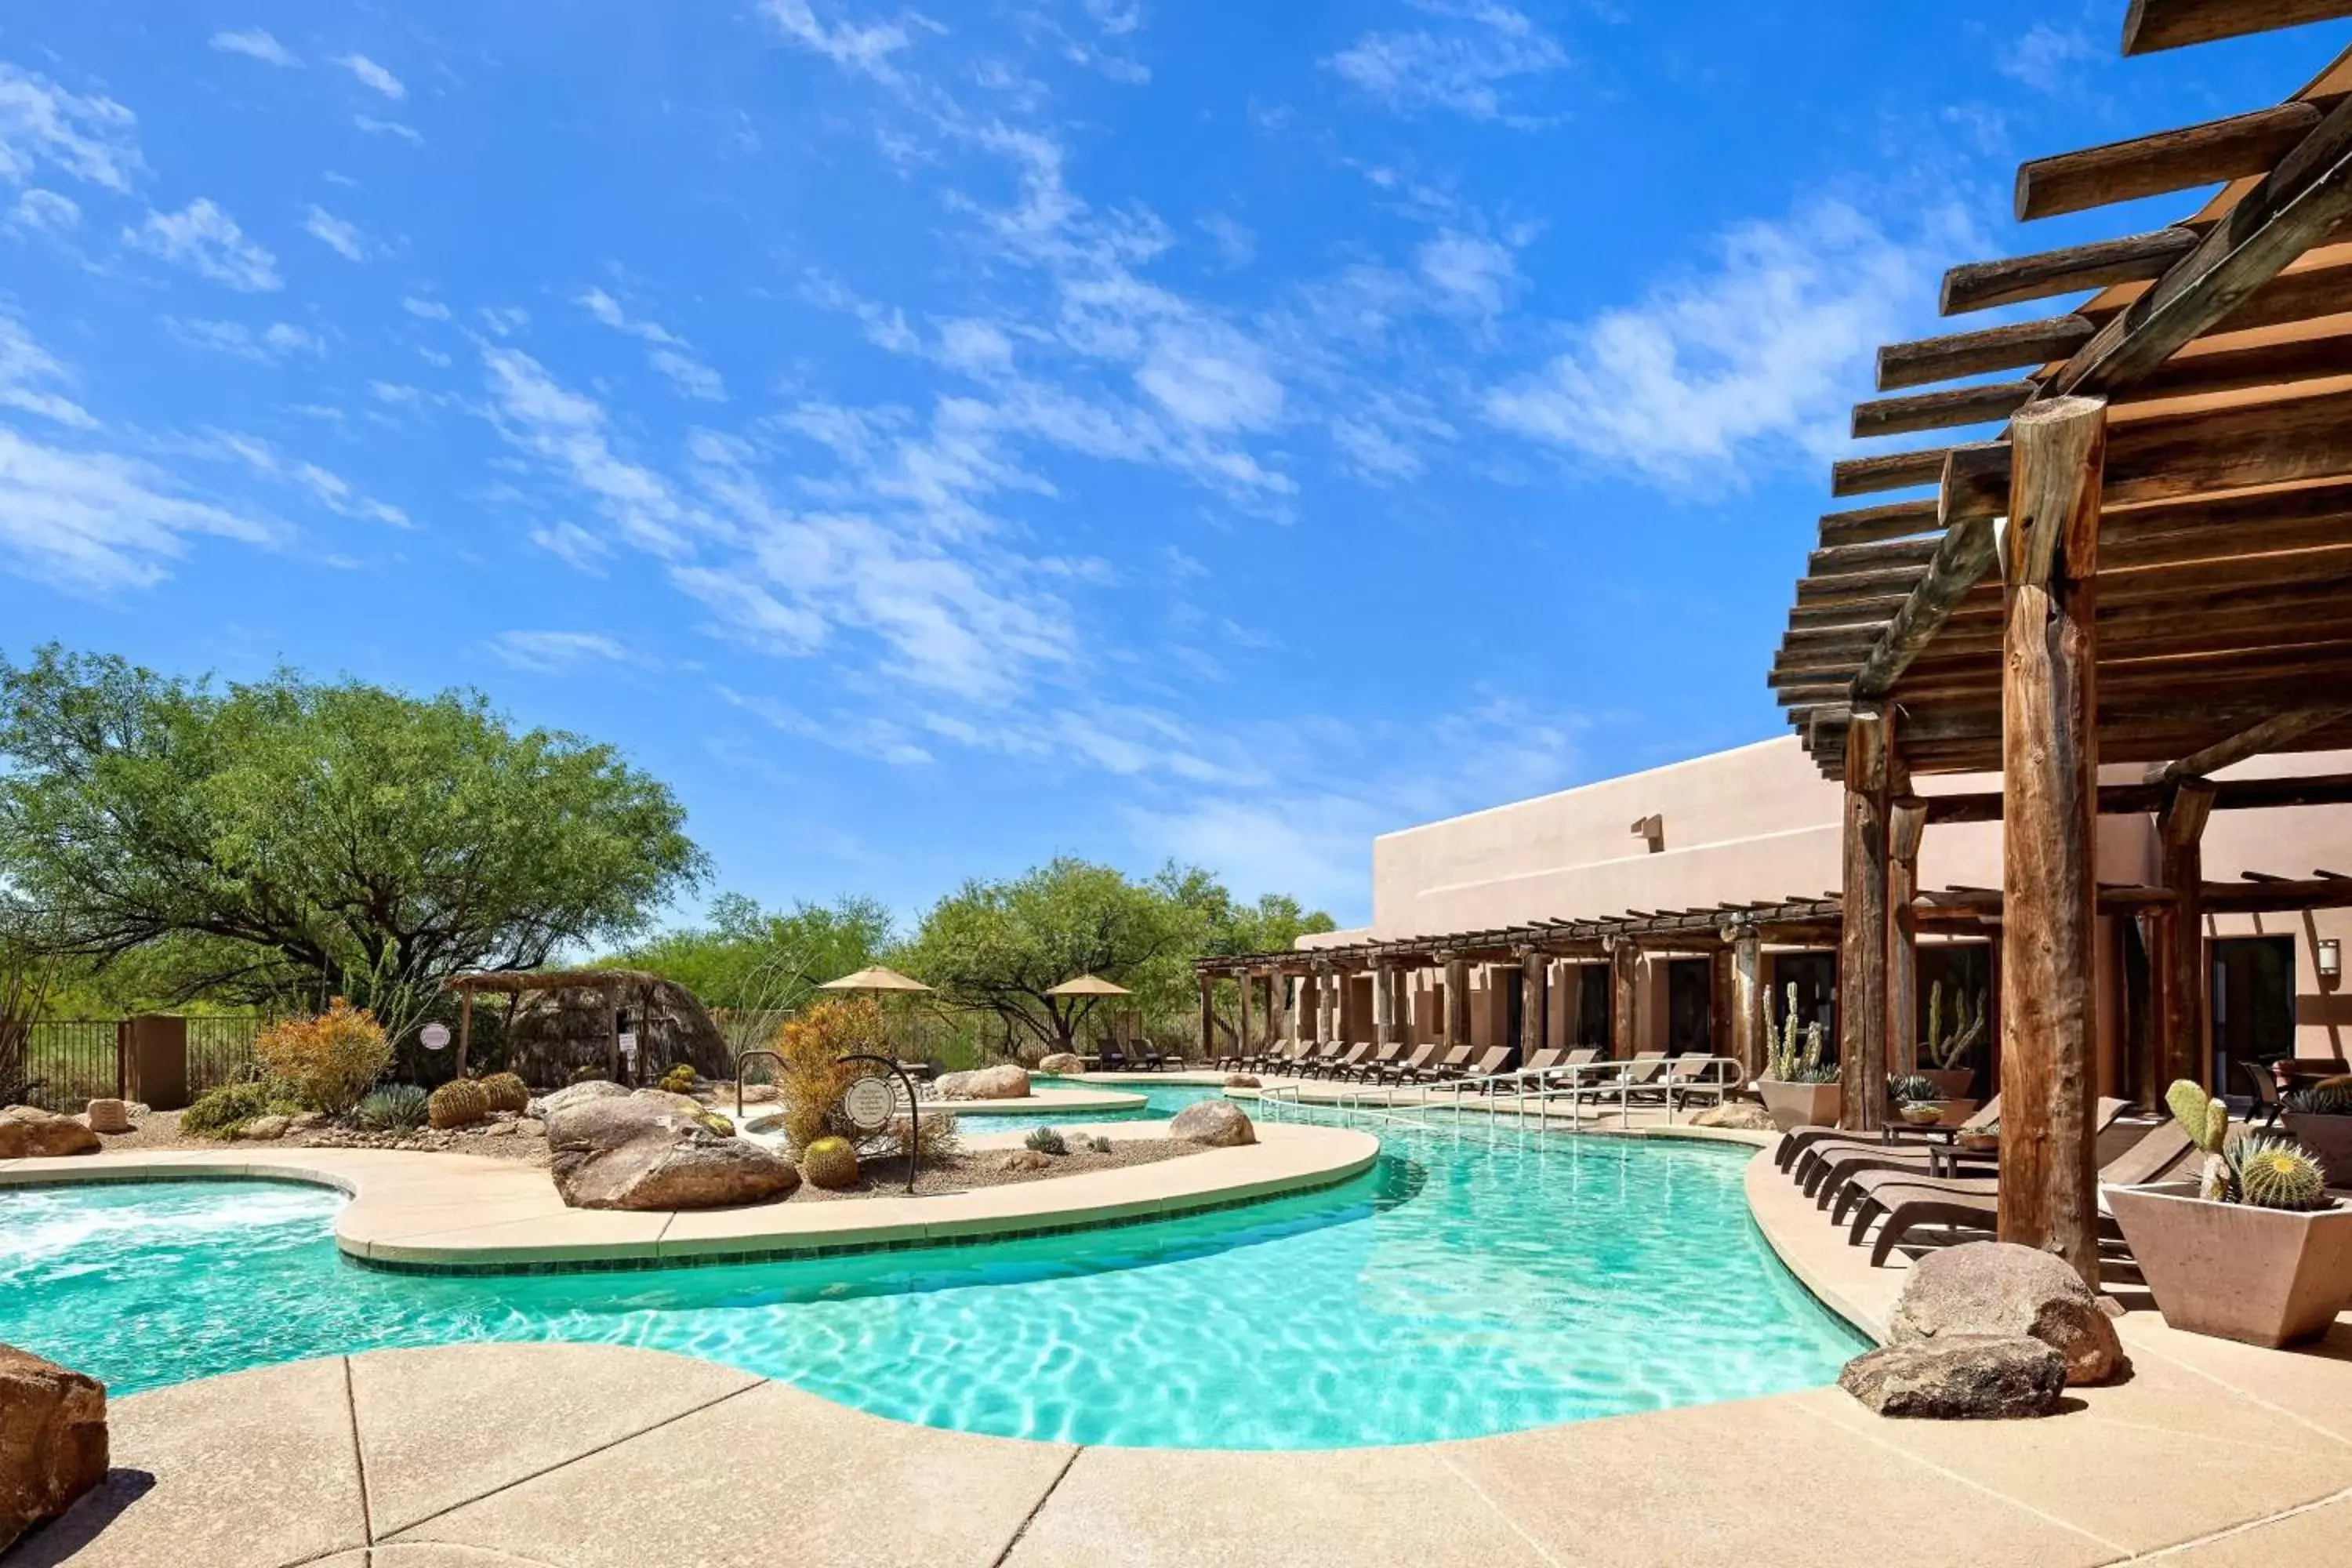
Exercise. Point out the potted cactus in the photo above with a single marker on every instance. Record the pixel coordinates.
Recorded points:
(1943, 1053)
(1800, 1090)
(2253, 1248)
(1917, 1104)
(2320, 1118)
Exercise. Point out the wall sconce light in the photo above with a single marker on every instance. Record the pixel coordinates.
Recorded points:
(2331, 958)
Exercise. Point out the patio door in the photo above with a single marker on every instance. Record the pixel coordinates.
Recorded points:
(1690, 1007)
(2253, 1004)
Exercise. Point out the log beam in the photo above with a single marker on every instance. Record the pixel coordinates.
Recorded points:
(2204, 154)
(1531, 1004)
(1457, 1002)
(1209, 1051)
(1886, 471)
(1906, 828)
(2153, 25)
(2049, 1027)
(1748, 1021)
(1862, 951)
(1941, 410)
(2297, 204)
(2135, 259)
(2268, 735)
(2180, 1022)
(1624, 999)
(1927, 361)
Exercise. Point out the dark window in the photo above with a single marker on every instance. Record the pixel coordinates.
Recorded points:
(1690, 1007)
(2253, 1003)
(1592, 1005)
(1964, 971)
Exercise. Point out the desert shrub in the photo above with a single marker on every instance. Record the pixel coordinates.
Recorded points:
(329, 1060)
(812, 1078)
(460, 1102)
(940, 1139)
(590, 1073)
(680, 1079)
(395, 1107)
(222, 1112)
(507, 1091)
(1045, 1141)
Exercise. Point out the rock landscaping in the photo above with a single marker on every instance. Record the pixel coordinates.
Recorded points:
(649, 1150)
(27, 1133)
(1742, 1115)
(2004, 1290)
(1004, 1081)
(1213, 1123)
(1964, 1377)
(53, 1443)
(1061, 1064)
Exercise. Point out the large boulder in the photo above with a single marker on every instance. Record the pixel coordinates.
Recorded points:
(265, 1128)
(1964, 1377)
(595, 1089)
(108, 1116)
(2005, 1291)
(27, 1132)
(52, 1439)
(1005, 1081)
(1744, 1115)
(1061, 1064)
(1243, 1080)
(644, 1152)
(1219, 1123)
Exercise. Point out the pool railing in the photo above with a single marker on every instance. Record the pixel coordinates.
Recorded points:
(1623, 1086)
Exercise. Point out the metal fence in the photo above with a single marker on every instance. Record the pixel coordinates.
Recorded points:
(72, 1061)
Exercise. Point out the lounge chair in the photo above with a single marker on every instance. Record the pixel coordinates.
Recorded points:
(1488, 1064)
(1452, 1063)
(2259, 1080)
(1387, 1056)
(1327, 1055)
(1828, 1180)
(1805, 1147)
(1357, 1055)
(1423, 1058)
(1974, 1204)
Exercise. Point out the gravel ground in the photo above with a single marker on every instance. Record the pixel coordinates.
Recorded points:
(161, 1129)
(963, 1172)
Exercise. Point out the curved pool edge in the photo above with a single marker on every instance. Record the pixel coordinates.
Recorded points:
(461, 1213)
(1814, 1251)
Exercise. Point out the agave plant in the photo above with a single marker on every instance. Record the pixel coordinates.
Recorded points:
(395, 1107)
(1910, 1088)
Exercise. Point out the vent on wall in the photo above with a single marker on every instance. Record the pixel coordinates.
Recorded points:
(1652, 830)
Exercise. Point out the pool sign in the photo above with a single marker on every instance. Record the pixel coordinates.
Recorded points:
(436, 1037)
(870, 1104)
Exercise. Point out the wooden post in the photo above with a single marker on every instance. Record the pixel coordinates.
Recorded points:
(2180, 1022)
(1747, 1015)
(1862, 949)
(1531, 1004)
(1719, 1005)
(1243, 981)
(1909, 826)
(1624, 999)
(1457, 1002)
(1326, 1016)
(2050, 765)
(1208, 1016)
(465, 1028)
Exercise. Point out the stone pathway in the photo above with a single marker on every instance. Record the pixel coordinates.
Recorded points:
(596, 1457)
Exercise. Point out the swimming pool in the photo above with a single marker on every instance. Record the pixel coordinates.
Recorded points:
(1476, 1281)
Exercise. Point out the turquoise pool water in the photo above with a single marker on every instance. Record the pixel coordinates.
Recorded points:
(1475, 1281)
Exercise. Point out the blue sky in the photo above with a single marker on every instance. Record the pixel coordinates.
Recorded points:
(939, 438)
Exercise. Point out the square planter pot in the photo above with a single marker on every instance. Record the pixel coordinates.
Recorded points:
(1950, 1085)
(2265, 1277)
(2328, 1137)
(1795, 1105)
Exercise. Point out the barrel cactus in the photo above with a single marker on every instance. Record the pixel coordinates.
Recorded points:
(831, 1163)
(2329, 1097)
(507, 1091)
(2275, 1172)
(460, 1102)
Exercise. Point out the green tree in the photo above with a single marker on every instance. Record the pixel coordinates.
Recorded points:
(750, 957)
(288, 841)
(998, 948)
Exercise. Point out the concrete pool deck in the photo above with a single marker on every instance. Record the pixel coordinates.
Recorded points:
(457, 1211)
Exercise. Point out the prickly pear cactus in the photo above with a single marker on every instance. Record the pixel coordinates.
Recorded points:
(2213, 1180)
(2203, 1117)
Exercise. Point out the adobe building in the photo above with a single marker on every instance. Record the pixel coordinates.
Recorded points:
(1755, 833)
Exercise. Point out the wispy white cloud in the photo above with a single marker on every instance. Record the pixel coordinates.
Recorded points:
(1462, 62)
(44, 212)
(373, 76)
(28, 373)
(272, 344)
(1469, 272)
(425, 309)
(375, 126)
(574, 545)
(1756, 359)
(569, 431)
(553, 652)
(257, 43)
(92, 138)
(206, 240)
(667, 352)
(338, 235)
(863, 48)
(322, 486)
(2046, 58)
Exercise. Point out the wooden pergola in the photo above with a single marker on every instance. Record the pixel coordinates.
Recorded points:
(2149, 564)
